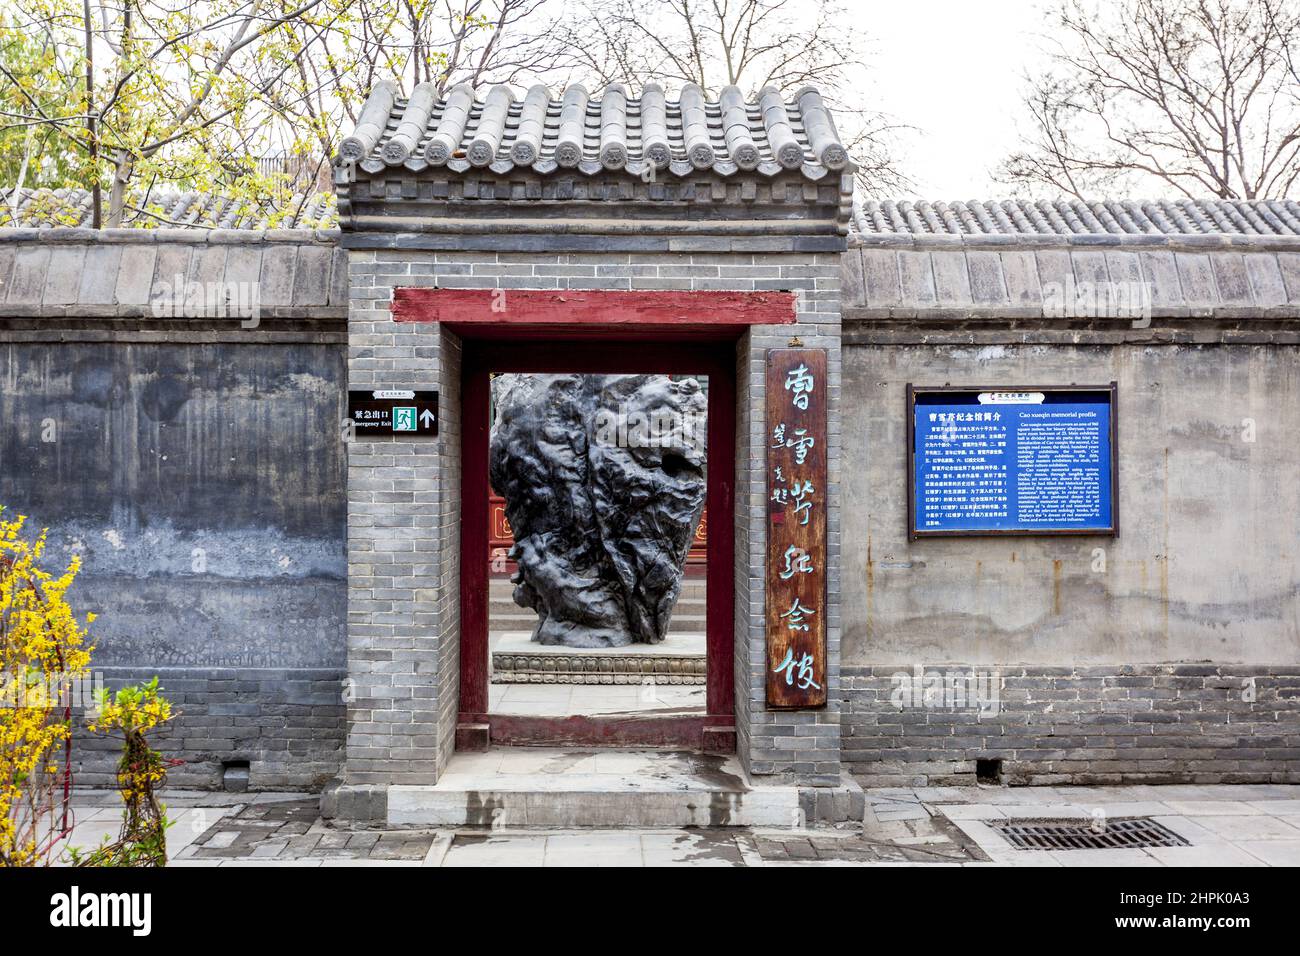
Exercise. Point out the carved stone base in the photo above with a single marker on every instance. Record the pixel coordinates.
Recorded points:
(516, 659)
(576, 668)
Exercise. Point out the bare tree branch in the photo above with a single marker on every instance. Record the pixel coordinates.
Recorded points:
(747, 43)
(1200, 97)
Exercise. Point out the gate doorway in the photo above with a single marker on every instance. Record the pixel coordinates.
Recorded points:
(708, 723)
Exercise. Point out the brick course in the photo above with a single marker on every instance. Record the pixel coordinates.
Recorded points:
(287, 723)
(1085, 725)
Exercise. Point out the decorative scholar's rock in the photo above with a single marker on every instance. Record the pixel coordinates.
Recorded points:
(604, 481)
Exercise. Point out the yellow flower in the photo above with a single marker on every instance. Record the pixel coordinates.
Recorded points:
(42, 649)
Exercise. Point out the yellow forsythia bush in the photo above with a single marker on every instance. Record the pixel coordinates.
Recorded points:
(43, 650)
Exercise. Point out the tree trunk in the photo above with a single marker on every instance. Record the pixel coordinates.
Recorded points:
(122, 169)
(92, 134)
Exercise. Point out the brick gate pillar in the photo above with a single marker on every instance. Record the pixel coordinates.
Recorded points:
(403, 496)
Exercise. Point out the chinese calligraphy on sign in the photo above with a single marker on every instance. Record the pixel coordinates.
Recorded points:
(802, 671)
(796, 528)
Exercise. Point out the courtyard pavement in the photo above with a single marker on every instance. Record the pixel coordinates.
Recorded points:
(1242, 825)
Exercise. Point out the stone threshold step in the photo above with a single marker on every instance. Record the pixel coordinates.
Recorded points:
(521, 807)
(540, 787)
(536, 787)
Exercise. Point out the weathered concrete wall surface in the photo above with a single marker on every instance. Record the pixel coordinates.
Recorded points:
(1207, 563)
(1171, 652)
(202, 484)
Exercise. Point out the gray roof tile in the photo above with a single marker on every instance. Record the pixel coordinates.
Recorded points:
(593, 132)
(27, 283)
(135, 275)
(72, 208)
(1073, 218)
(100, 276)
(1266, 281)
(63, 278)
(1021, 274)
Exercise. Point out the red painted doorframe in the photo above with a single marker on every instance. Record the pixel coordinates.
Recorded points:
(597, 353)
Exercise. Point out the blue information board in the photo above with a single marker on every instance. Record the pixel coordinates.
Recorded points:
(1027, 462)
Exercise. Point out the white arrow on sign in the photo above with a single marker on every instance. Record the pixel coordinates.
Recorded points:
(426, 418)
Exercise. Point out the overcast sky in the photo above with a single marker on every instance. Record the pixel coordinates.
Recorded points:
(951, 68)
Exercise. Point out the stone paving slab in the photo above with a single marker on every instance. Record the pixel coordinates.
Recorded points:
(935, 826)
(1274, 852)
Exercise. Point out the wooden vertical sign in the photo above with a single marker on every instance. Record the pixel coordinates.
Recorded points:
(796, 528)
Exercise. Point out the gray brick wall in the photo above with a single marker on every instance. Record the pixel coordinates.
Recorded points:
(287, 723)
(1104, 724)
(283, 712)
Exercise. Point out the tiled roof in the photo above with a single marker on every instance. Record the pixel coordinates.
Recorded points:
(1068, 218)
(608, 130)
(72, 207)
(1262, 218)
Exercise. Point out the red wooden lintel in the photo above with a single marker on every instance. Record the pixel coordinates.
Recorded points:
(593, 307)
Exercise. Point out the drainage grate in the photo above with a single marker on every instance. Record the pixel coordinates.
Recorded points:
(1086, 834)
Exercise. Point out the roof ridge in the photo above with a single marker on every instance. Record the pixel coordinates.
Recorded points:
(71, 206)
(1269, 218)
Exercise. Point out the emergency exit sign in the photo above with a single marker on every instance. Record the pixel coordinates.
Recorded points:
(399, 412)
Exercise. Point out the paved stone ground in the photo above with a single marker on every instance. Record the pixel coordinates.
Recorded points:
(1248, 825)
